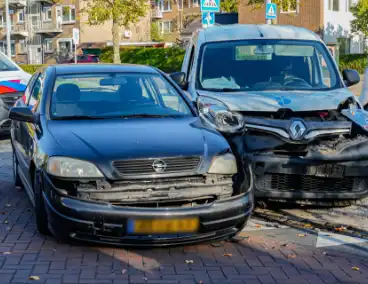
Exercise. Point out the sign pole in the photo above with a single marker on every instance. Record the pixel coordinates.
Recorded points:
(8, 27)
(268, 21)
(75, 53)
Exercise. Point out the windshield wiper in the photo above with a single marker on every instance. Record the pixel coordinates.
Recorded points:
(78, 117)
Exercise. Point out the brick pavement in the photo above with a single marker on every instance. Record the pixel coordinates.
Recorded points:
(262, 258)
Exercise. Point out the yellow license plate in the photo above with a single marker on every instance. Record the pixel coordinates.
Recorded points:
(163, 226)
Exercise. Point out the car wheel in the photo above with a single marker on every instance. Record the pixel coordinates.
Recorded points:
(40, 209)
(16, 177)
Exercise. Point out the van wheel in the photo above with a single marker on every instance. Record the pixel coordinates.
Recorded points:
(16, 177)
(40, 210)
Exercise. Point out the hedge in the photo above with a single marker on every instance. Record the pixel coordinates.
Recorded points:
(358, 62)
(166, 59)
(170, 59)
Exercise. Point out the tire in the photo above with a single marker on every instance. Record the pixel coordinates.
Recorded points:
(40, 209)
(16, 177)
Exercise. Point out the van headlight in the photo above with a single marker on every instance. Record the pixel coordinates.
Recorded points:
(223, 164)
(219, 116)
(72, 168)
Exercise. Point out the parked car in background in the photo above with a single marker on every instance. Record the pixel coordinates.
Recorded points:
(106, 155)
(88, 58)
(276, 93)
(13, 81)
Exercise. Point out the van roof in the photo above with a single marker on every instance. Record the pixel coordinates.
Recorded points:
(246, 32)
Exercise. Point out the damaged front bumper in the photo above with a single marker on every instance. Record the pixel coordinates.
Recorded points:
(102, 214)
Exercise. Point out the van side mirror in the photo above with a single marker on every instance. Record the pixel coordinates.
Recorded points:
(179, 79)
(22, 114)
(351, 77)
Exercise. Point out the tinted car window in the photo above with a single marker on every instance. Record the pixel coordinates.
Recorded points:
(274, 65)
(116, 95)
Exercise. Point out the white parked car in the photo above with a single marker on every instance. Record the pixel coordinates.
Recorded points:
(13, 82)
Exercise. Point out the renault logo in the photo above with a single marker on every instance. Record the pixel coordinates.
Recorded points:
(297, 130)
(159, 166)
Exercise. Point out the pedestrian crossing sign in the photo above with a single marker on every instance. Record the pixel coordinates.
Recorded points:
(271, 10)
(210, 5)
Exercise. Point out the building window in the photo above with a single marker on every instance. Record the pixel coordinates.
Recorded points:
(65, 46)
(350, 4)
(21, 14)
(165, 5)
(48, 45)
(195, 3)
(166, 27)
(289, 6)
(47, 14)
(68, 14)
(334, 5)
(22, 46)
(344, 45)
(2, 19)
(4, 50)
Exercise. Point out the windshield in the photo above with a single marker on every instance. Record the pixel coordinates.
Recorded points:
(116, 95)
(266, 65)
(6, 64)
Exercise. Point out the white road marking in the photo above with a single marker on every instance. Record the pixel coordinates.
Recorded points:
(326, 239)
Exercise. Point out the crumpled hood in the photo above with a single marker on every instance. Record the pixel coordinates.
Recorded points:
(274, 100)
(114, 139)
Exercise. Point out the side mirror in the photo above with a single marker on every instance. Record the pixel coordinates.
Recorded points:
(179, 79)
(351, 77)
(22, 114)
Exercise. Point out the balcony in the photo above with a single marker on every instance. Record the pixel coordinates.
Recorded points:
(46, 1)
(156, 13)
(19, 30)
(17, 3)
(47, 27)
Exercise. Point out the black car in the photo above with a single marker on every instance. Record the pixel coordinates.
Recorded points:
(117, 154)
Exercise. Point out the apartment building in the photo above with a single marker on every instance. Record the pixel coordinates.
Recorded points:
(173, 16)
(328, 18)
(41, 30)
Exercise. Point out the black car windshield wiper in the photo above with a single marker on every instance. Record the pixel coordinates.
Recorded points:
(142, 115)
(77, 117)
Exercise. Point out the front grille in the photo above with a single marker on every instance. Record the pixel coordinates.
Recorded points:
(299, 183)
(145, 166)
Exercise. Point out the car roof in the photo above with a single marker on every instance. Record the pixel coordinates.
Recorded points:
(247, 32)
(101, 68)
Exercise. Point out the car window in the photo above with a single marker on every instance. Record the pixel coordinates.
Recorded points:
(36, 93)
(6, 64)
(116, 95)
(274, 65)
(29, 87)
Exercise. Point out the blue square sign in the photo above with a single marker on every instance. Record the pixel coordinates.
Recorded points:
(208, 19)
(210, 6)
(271, 11)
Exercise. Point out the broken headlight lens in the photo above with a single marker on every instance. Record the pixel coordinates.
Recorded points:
(72, 168)
(219, 116)
(224, 164)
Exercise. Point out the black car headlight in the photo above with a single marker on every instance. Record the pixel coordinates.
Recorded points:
(219, 116)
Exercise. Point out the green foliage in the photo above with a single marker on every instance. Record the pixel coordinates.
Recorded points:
(155, 32)
(166, 59)
(285, 4)
(229, 6)
(360, 13)
(29, 68)
(354, 61)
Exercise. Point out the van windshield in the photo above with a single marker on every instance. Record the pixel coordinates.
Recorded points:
(260, 65)
(6, 64)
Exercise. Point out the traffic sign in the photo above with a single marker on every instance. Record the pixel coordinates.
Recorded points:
(271, 10)
(208, 19)
(76, 36)
(210, 6)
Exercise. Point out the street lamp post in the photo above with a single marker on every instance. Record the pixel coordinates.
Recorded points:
(8, 27)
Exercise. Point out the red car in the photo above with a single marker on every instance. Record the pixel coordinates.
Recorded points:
(89, 58)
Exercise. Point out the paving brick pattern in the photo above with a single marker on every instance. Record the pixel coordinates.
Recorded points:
(24, 253)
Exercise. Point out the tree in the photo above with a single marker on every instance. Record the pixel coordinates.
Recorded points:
(229, 6)
(284, 4)
(122, 13)
(155, 32)
(360, 13)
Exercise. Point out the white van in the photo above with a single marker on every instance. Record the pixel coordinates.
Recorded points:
(13, 82)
